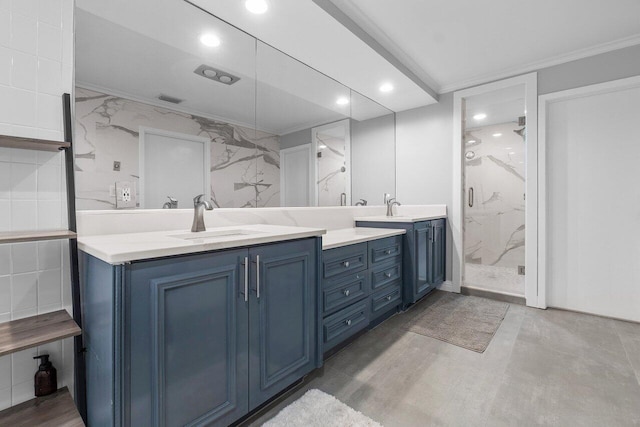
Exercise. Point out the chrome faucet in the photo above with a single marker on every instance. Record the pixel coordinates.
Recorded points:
(390, 204)
(171, 204)
(199, 205)
(361, 202)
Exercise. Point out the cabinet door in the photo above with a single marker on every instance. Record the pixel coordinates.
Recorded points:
(187, 336)
(438, 251)
(282, 317)
(422, 253)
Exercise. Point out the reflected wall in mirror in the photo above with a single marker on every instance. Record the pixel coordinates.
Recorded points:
(139, 75)
(332, 145)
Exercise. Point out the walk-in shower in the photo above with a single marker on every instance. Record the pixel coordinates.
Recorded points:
(494, 177)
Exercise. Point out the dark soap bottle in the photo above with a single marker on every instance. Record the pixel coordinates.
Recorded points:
(46, 379)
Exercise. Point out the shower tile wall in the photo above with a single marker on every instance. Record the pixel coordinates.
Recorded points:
(245, 164)
(495, 225)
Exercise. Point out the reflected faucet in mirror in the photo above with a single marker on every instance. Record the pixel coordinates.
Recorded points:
(361, 202)
(171, 204)
(199, 205)
(390, 204)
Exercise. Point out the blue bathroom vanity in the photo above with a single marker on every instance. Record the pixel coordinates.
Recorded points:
(201, 337)
(424, 246)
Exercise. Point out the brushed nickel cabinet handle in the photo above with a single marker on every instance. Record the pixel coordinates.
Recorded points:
(346, 292)
(388, 275)
(348, 322)
(389, 298)
(470, 197)
(246, 279)
(346, 264)
(258, 276)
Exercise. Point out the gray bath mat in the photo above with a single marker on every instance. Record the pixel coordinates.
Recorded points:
(465, 321)
(318, 409)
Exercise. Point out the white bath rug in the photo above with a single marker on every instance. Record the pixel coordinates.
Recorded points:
(320, 409)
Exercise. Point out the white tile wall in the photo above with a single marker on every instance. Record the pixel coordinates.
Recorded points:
(36, 67)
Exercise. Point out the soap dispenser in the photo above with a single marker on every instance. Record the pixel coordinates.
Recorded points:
(46, 379)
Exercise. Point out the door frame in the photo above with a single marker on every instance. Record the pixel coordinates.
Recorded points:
(143, 131)
(530, 82)
(347, 157)
(283, 182)
(543, 104)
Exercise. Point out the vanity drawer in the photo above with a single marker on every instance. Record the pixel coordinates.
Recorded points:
(386, 298)
(345, 323)
(342, 291)
(382, 275)
(386, 249)
(344, 260)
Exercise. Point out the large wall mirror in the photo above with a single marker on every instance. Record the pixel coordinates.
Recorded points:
(172, 102)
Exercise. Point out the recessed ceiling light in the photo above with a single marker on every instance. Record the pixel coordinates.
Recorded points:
(210, 40)
(471, 141)
(386, 87)
(480, 116)
(522, 163)
(322, 146)
(256, 6)
(497, 135)
(512, 152)
(343, 100)
(506, 148)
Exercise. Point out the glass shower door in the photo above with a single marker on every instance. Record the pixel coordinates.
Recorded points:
(494, 233)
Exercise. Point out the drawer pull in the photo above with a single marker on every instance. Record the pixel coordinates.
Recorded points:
(389, 298)
(346, 292)
(345, 264)
(348, 322)
(387, 275)
(388, 251)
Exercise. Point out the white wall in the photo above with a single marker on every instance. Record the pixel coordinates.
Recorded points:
(593, 203)
(36, 67)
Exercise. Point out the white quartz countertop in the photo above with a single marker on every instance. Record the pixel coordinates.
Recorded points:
(350, 236)
(401, 218)
(120, 248)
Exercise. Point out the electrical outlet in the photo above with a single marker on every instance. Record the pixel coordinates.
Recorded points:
(125, 195)
(116, 166)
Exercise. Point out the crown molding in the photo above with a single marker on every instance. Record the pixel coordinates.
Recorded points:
(545, 63)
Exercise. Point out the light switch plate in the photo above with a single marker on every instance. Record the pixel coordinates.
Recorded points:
(125, 195)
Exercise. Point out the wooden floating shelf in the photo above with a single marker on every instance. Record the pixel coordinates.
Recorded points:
(33, 331)
(34, 236)
(32, 143)
(57, 409)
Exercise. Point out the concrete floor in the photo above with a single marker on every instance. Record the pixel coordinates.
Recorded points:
(543, 367)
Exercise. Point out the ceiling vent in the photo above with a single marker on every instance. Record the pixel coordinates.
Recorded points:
(216, 75)
(171, 99)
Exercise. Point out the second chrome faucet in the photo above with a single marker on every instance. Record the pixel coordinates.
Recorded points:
(199, 205)
(390, 204)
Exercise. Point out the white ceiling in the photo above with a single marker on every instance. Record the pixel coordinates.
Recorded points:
(303, 30)
(454, 44)
(145, 48)
(499, 106)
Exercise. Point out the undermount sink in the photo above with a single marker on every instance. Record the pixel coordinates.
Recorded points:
(214, 234)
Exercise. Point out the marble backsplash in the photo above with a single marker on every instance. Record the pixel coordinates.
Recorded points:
(495, 168)
(245, 163)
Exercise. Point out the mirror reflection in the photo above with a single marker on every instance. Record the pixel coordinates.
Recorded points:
(180, 103)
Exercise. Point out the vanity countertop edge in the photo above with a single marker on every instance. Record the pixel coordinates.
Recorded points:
(399, 218)
(121, 248)
(350, 236)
